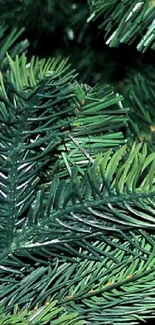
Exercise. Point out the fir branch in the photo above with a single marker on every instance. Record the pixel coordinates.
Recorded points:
(126, 21)
(37, 103)
(8, 43)
(76, 196)
(138, 91)
(97, 126)
(111, 198)
(97, 289)
(48, 314)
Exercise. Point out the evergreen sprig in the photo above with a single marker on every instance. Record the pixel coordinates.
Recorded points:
(126, 22)
(139, 90)
(45, 315)
(77, 167)
(37, 104)
(98, 124)
(98, 290)
(100, 216)
(8, 43)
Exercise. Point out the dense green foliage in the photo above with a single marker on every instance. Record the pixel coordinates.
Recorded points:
(77, 163)
(47, 314)
(126, 21)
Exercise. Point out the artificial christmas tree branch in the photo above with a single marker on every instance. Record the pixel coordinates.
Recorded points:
(8, 42)
(139, 92)
(96, 289)
(47, 314)
(108, 199)
(126, 21)
(77, 168)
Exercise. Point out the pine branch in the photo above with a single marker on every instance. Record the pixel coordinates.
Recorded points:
(139, 93)
(97, 127)
(37, 104)
(39, 316)
(77, 197)
(8, 43)
(99, 290)
(114, 196)
(126, 21)
(116, 193)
